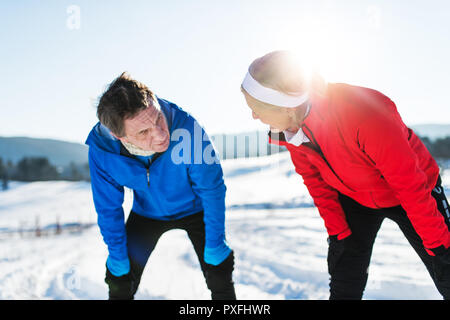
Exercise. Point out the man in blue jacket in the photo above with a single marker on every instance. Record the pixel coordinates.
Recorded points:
(153, 147)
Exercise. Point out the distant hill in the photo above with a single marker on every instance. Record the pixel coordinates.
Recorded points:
(432, 131)
(59, 153)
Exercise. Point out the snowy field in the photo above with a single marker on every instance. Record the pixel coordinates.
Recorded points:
(277, 235)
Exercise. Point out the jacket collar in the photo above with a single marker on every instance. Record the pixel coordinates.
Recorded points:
(313, 115)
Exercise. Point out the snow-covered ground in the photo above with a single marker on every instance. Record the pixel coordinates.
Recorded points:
(277, 235)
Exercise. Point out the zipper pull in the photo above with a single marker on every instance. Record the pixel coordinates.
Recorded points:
(148, 171)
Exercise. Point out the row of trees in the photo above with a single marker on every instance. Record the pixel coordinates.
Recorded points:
(439, 148)
(40, 169)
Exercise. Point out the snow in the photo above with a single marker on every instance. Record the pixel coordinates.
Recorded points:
(277, 234)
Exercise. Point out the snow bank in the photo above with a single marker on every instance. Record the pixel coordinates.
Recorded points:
(276, 233)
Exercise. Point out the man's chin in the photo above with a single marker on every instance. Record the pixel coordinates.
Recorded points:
(162, 147)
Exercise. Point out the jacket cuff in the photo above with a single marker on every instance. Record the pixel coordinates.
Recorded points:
(118, 267)
(439, 251)
(344, 234)
(217, 255)
(213, 242)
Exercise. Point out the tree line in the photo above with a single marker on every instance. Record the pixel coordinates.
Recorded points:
(30, 169)
(41, 169)
(439, 148)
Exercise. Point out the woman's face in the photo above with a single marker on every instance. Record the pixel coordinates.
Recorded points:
(276, 117)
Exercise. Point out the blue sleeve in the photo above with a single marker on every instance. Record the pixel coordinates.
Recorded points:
(207, 182)
(108, 200)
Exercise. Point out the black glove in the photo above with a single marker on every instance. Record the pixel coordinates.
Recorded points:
(120, 288)
(335, 250)
(442, 254)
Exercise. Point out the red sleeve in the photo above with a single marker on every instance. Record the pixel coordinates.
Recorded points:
(384, 139)
(325, 197)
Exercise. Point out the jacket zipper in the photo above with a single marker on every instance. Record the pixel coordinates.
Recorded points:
(125, 153)
(148, 172)
(150, 162)
(323, 156)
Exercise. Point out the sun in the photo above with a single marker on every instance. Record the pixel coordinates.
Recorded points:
(319, 49)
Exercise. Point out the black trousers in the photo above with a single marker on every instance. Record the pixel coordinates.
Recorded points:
(143, 234)
(349, 259)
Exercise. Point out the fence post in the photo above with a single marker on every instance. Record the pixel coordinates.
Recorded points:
(58, 226)
(224, 146)
(257, 144)
(38, 228)
(247, 147)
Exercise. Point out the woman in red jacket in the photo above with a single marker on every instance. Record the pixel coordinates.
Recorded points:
(360, 163)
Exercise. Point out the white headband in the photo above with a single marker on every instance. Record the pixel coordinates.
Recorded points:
(270, 96)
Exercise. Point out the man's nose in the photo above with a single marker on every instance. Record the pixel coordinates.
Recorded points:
(254, 115)
(158, 133)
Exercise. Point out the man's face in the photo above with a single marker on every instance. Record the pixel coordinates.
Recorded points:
(148, 130)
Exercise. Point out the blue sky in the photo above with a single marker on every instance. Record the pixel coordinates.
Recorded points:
(195, 54)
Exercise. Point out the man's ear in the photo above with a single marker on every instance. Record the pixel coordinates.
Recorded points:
(114, 135)
(118, 138)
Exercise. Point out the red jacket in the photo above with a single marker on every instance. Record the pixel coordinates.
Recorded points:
(362, 148)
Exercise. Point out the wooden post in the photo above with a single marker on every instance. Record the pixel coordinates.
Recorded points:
(58, 226)
(247, 153)
(38, 228)
(224, 146)
(257, 144)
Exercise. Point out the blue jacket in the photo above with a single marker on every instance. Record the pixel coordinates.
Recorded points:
(183, 180)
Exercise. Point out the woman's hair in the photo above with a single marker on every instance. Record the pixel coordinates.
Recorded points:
(124, 98)
(282, 71)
